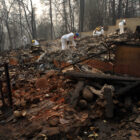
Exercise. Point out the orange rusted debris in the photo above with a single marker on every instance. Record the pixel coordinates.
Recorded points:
(61, 100)
(13, 61)
(41, 83)
(60, 64)
(56, 63)
(55, 97)
(103, 66)
(63, 64)
(35, 58)
(51, 73)
(47, 114)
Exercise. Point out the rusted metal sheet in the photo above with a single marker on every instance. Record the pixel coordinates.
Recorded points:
(128, 60)
(98, 64)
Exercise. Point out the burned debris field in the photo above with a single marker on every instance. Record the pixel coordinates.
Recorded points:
(87, 93)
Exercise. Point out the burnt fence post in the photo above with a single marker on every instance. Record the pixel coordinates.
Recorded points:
(8, 85)
(2, 96)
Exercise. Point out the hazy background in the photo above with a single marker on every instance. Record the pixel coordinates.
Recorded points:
(50, 19)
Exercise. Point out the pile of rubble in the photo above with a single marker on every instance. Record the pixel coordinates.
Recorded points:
(71, 94)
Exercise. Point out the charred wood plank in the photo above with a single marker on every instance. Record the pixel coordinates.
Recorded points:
(8, 85)
(76, 93)
(128, 101)
(79, 75)
(109, 109)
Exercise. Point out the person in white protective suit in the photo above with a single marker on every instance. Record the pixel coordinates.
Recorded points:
(121, 26)
(98, 32)
(24, 40)
(35, 43)
(68, 37)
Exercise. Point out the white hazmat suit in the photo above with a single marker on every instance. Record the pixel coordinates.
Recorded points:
(121, 26)
(36, 43)
(65, 38)
(24, 40)
(98, 33)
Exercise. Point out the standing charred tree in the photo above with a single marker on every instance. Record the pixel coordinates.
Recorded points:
(51, 19)
(70, 14)
(113, 13)
(120, 9)
(28, 28)
(105, 12)
(81, 17)
(20, 14)
(126, 9)
(33, 21)
(65, 16)
(1, 36)
(6, 16)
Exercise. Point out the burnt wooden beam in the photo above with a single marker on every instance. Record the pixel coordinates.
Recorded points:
(76, 93)
(93, 76)
(109, 108)
(126, 42)
(8, 85)
(128, 101)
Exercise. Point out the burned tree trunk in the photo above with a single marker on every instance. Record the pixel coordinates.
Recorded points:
(81, 17)
(65, 16)
(120, 9)
(113, 13)
(51, 19)
(33, 22)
